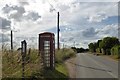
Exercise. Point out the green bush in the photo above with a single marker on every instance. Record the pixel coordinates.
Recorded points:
(115, 50)
(63, 54)
(98, 50)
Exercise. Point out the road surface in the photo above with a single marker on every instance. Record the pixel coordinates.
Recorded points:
(92, 66)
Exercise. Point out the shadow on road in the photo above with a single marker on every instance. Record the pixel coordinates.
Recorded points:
(89, 67)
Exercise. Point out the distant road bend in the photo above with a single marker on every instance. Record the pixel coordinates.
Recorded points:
(92, 66)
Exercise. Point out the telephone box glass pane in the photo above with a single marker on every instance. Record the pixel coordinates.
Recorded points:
(46, 42)
(47, 55)
(46, 47)
(47, 51)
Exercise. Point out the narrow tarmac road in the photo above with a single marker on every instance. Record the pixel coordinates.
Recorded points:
(92, 66)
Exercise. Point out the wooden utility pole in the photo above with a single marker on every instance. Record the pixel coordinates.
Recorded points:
(58, 32)
(11, 41)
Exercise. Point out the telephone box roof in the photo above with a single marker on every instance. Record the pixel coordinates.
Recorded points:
(46, 33)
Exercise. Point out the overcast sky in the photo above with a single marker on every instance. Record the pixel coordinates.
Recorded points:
(80, 22)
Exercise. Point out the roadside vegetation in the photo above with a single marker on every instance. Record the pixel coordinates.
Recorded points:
(60, 72)
(12, 64)
(12, 68)
(106, 46)
(64, 54)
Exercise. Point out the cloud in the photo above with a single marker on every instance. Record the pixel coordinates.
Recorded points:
(90, 32)
(4, 24)
(97, 18)
(32, 16)
(90, 11)
(4, 38)
(7, 8)
(17, 14)
(108, 30)
(23, 3)
(63, 7)
(52, 9)
(99, 1)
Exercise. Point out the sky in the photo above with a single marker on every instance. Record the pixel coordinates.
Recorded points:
(81, 22)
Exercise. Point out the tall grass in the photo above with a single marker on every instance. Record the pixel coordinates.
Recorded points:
(63, 54)
(12, 65)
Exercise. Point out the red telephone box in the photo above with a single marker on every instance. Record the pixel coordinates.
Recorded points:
(47, 49)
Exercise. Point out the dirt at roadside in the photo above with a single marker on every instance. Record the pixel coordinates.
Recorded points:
(71, 67)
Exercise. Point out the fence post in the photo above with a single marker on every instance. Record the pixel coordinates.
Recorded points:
(23, 52)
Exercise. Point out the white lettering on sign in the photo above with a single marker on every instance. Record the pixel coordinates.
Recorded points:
(44, 36)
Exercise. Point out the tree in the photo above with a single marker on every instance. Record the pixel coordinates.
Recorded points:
(79, 50)
(107, 43)
(115, 50)
(98, 43)
(92, 47)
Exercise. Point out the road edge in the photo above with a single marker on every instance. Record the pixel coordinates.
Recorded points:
(71, 67)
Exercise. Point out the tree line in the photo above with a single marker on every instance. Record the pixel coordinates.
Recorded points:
(106, 46)
(79, 50)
